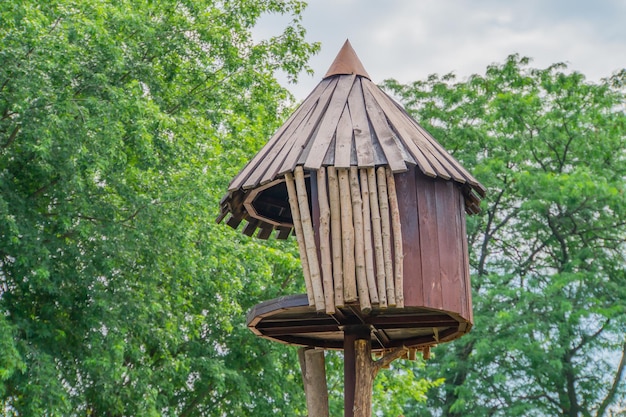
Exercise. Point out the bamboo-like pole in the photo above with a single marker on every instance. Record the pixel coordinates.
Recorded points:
(367, 238)
(309, 239)
(335, 232)
(378, 239)
(383, 201)
(397, 238)
(359, 245)
(347, 237)
(297, 224)
(324, 236)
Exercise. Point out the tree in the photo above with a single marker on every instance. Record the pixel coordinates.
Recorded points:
(548, 251)
(120, 125)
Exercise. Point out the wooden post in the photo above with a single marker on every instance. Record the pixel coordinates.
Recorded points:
(383, 200)
(313, 369)
(377, 236)
(297, 224)
(397, 238)
(335, 231)
(359, 244)
(360, 370)
(367, 238)
(309, 240)
(347, 237)
(324, 237)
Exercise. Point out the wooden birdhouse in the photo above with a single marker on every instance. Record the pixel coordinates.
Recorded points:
(378, 207)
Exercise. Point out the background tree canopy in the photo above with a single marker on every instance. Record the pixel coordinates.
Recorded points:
(548, 252)
(121, 124)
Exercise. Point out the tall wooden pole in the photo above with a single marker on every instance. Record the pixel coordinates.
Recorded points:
(360, 370)
(312, 364)
(350, 335)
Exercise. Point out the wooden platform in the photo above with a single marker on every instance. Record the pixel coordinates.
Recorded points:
(290, 320)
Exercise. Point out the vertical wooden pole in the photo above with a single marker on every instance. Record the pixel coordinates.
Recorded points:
(360, 370)
(397, 239)
(297, 224)
(324, 238)
(335, 231)
(377, 236)
(383, 200)
(367, 238)
(347, 237)
(350, 336)
(313, 369)
(359, 244)
(309, 239)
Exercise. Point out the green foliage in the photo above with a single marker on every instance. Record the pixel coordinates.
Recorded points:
(548, 252)
(120, 125)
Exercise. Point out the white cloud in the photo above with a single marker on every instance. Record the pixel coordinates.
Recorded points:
(407, 40)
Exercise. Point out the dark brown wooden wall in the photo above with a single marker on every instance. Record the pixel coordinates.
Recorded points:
(436, 267)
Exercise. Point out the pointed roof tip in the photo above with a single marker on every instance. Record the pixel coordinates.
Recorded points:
(347, 62)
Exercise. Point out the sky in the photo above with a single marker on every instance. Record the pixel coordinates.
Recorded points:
(409, 39)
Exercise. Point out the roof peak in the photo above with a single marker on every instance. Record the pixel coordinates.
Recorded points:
(347, 62)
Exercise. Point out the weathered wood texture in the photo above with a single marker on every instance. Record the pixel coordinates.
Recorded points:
(383, 240)
(360, 255)
(435, 263)
(312, 366)
(347, 121)
(291, 320)
(366, 370)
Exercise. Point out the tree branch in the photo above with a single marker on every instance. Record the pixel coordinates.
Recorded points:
(394, 354)
(12, 137)
(610, 396)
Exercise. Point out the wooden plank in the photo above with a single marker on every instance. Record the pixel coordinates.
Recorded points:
(283, 232)
(266, 170)
(462, 257)
(412, 262)
(309, 239)
(234, 221)
(449, 258)
(379, 259)
(328, 125)
(335, 231)
(359, 244)
(435, 144)
(275, 140)
(251, 227)
(343, 140)
(383, 203)
(297, 224)
(307, 133)
(429, 241)
(396, 227)
(265, 231)
(437, 158)
(360, 126)
(430, 140)
(466, 267)
(404, 128)
(384, 133)
(324, 241)
(347, 237)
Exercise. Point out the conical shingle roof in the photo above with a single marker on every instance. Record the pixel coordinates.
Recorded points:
(345, 121)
